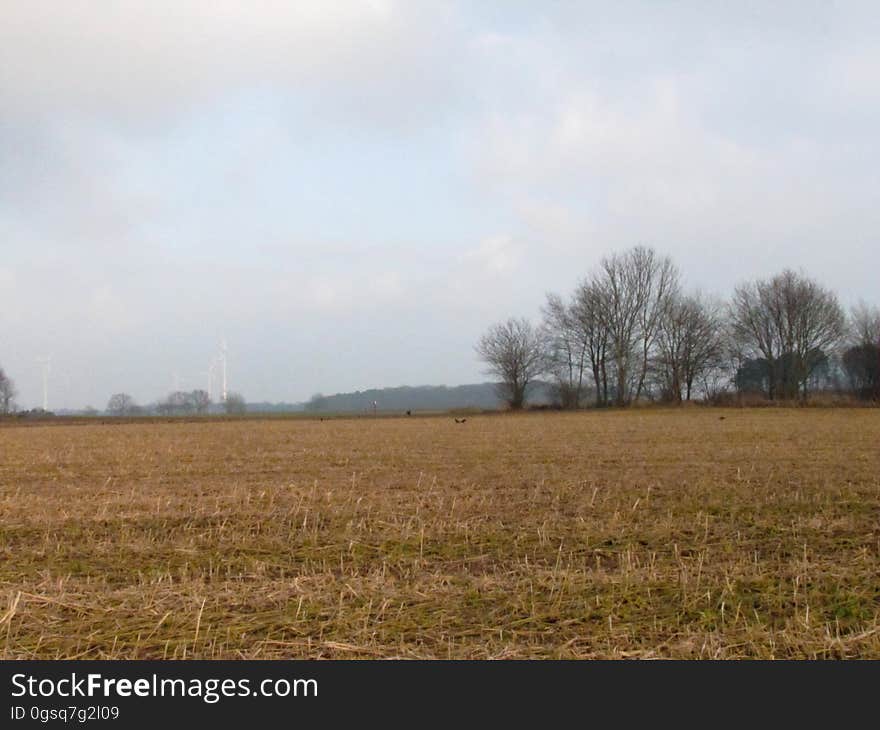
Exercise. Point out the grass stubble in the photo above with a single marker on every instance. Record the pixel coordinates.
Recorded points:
(648, 533)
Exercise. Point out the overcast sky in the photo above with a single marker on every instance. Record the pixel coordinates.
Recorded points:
(350, 192)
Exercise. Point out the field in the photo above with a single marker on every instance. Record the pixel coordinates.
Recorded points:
(649, 533)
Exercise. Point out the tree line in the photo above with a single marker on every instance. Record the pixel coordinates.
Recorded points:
(422, 398)
(630, 331)
(178, 403)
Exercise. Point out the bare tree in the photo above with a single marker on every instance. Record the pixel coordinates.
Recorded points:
(7, 394)
(566, 350)
(234, 403)
(690, 343)
(636, 288)
(865, 325)
(792, 323)
(177, 403)
(658, 280)
(514, 351)
(121, 404)
(620, 312)
(200, 400)
(861, 361)
(587, 310)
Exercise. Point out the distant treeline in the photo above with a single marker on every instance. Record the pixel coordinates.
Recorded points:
(424, 397)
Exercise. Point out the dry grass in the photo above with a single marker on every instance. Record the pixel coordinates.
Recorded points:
(637, 534)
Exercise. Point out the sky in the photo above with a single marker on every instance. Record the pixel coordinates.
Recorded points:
(351, 192)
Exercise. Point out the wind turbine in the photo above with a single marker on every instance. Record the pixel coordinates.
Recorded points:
(211, 368)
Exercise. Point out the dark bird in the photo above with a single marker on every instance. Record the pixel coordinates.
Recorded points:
(721, 418)
(460, 420)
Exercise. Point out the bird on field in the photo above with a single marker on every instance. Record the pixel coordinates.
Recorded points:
(460, 420)
(721, 418)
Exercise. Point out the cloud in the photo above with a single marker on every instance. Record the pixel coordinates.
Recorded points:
(498, 254)
(136, 62)
(732, 147)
